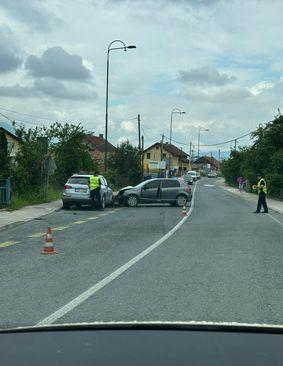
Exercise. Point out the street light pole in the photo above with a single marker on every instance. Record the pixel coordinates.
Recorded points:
(174, 110)
(124, 47)
(199, 130)
(179, 111)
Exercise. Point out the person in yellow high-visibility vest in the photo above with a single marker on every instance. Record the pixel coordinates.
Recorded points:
(94, 187)
(261, 188)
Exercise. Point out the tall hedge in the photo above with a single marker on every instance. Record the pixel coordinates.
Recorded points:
(265, 156)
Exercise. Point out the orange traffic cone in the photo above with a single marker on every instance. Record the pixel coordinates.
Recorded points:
(184, 211)
(48, 247)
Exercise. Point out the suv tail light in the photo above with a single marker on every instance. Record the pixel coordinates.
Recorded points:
(66, 186)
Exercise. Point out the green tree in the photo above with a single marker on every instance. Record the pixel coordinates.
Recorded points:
(68, 147)
(125, 165)
(264, 156)
(4, 157)
(28, 170)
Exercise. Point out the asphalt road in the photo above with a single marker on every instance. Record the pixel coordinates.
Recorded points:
(223, 263)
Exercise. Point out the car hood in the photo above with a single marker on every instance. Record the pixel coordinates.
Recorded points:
(122, 190)
(189, 325)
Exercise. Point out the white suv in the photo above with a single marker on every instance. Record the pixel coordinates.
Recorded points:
(76, 191)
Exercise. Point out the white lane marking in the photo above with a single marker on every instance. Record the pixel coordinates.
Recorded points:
(60, 228)
(209, 185)
(8, 243)
(273, 218)
(36, 235)
(98, 286)
(252, 205)
(79, 222)
(92, 218)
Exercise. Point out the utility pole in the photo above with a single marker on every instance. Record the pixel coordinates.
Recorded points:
(139, 131)
(235, 146)
(161, 155)
(161, 148)
(181, 161)
(190, 155)
(219, 155)
(142, 148)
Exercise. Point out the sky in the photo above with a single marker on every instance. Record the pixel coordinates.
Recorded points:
(219, 61)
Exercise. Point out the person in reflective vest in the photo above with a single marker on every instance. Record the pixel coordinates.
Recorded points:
(94, 187)
(261, 188)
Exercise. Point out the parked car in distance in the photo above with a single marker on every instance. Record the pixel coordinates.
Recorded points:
(211, 174)
(193, 174)
(198, 175)
(76, 191)
(188, 178)
(160, 190)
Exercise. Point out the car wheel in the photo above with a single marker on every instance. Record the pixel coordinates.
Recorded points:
(132, 200)
(66, 206)
(181, 200)
(103, 202)
(78, 205)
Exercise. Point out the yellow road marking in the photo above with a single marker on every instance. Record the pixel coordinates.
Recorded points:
(92, 218)
(8, 243)
(59, 228)
(36, 235)
(79, 222)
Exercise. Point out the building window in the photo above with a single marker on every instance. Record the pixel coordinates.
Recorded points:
(148, 155)
(157, 147)
(164, 156)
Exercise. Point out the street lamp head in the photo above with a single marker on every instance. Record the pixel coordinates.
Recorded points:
(131, 46)
(183, 112)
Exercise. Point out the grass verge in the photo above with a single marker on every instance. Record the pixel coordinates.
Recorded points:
(18, 202)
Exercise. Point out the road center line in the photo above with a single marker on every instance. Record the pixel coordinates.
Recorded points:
(8, 243)
(79, 222)
(59, 228)
(36, 235)
(101, 284)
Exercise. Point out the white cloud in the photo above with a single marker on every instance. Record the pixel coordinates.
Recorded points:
(129, 126)
(258, 88)
(122, 139)
(236, 38)
(277, 66)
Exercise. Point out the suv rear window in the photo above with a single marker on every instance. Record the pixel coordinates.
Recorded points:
(79, 180)
(170, 183)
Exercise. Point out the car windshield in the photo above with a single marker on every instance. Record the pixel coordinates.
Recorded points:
(141, 161)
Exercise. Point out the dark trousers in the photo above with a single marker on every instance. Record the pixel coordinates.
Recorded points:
(261, 202)
(95, 193)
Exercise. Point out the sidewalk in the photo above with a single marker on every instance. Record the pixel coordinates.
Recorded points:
(28, 213)
(273, 204)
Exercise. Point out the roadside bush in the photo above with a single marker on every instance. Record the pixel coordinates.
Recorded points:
(275, 185)
(265, 156)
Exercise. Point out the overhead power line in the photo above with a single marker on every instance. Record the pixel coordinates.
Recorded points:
(216, 144)
(99, 124)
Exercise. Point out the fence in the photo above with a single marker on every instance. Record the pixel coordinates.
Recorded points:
(5, 191)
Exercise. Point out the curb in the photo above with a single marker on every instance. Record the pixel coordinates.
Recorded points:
(18, 223)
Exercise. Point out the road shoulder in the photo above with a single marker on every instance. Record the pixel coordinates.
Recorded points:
(13, 218)
(275, 205)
